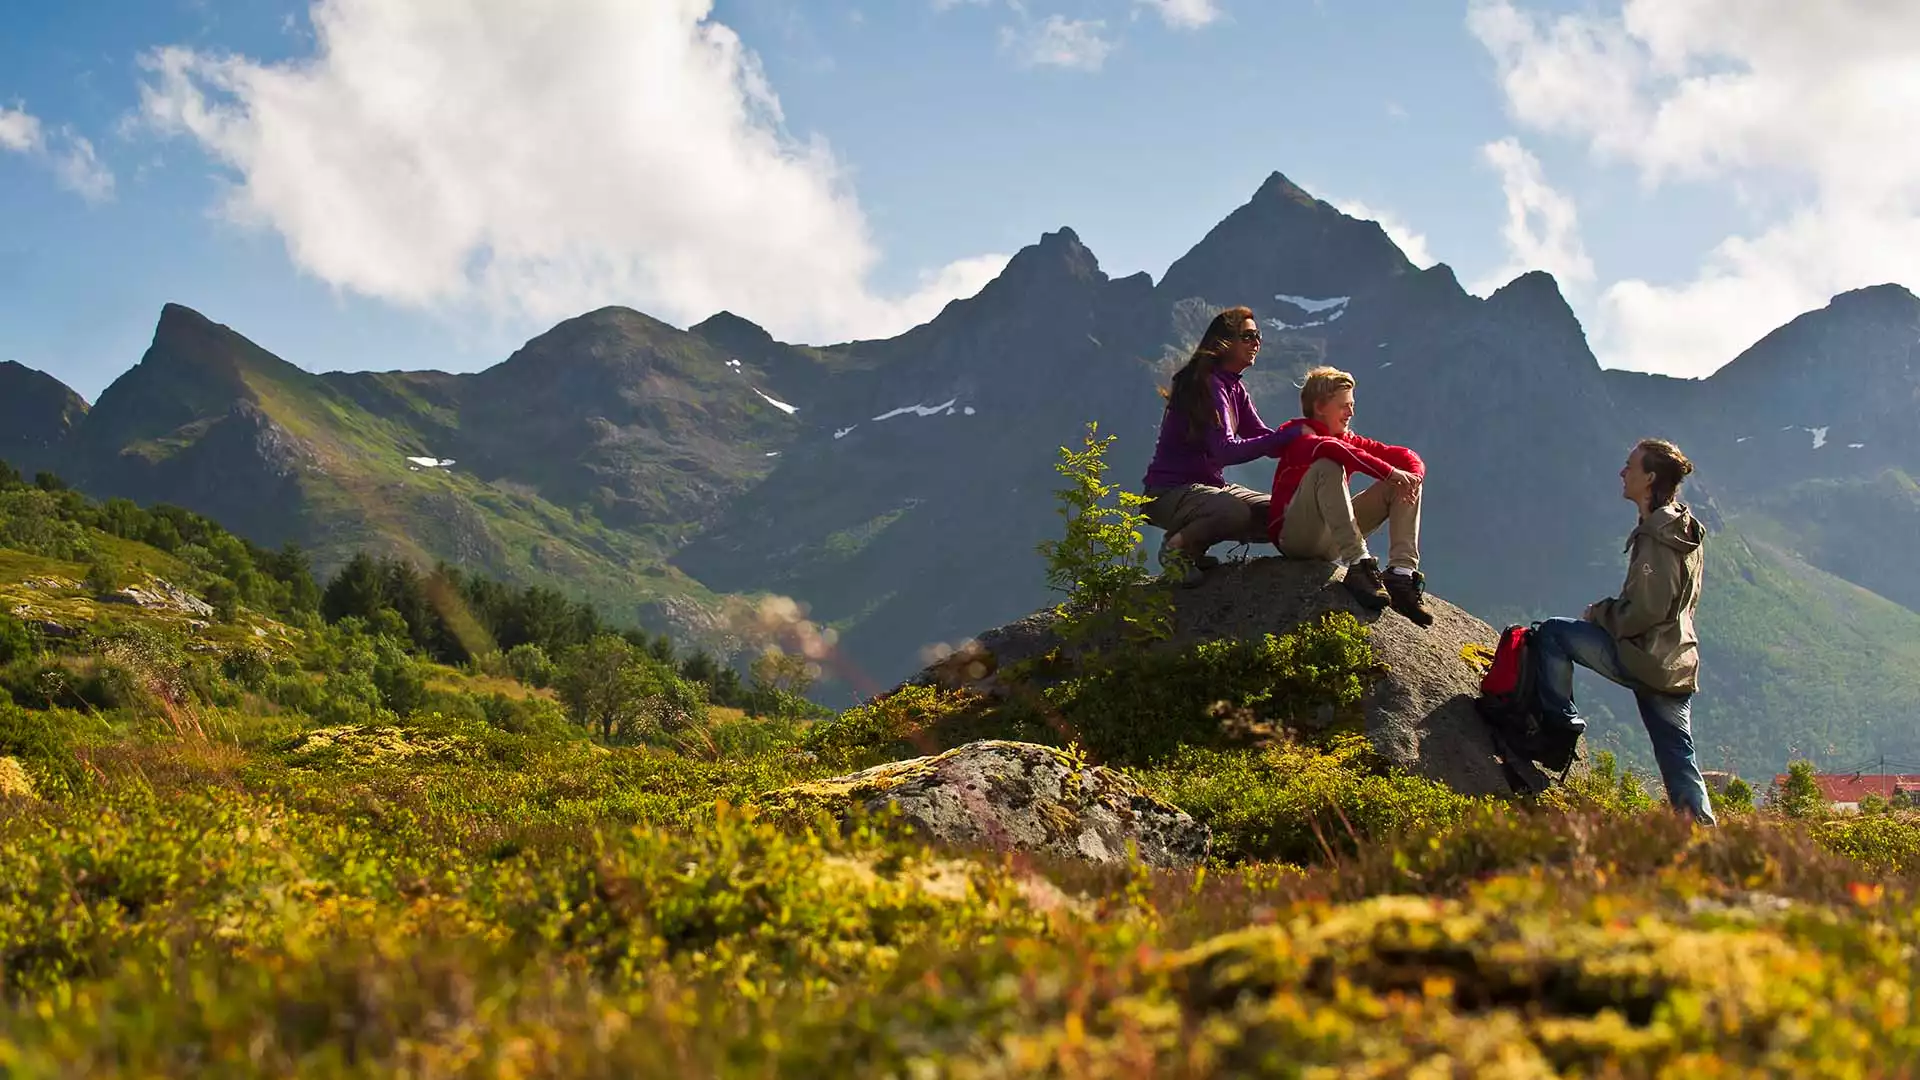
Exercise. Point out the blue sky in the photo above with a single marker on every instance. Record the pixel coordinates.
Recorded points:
(376, 184)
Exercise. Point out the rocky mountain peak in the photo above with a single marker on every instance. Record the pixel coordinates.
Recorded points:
(609, 340)
(1888, 299)
(1534, 301)
(1283, 241)
(194, 370)
(1058, 256)
(729, 330)
(1278, 189)
(1867, 332)
(37, 411)
(1535, 287)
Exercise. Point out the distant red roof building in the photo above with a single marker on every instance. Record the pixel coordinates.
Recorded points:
(1847, 789)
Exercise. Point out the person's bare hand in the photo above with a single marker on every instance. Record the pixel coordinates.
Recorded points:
(1405, 484)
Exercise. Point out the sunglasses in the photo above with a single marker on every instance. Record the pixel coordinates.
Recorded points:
(1250, 335)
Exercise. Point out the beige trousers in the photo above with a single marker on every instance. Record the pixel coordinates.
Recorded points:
(1204, 515)
(1326, 521)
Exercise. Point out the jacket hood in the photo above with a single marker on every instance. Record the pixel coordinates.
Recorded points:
(1673, 525)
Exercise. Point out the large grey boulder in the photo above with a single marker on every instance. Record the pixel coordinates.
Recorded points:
(1019, 796)
(1419, 714)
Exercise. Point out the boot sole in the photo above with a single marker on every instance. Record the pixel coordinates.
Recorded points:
(1374, 601)
(1417, 616)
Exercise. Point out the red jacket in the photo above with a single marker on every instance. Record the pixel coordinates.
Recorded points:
(1356, 453)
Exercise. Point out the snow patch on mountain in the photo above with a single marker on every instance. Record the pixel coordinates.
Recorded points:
(1279, 325)
(1310, 305)
(776, 402)
(921, 410)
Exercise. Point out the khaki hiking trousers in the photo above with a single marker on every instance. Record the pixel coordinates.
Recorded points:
(1325, 520)
(1206, 515)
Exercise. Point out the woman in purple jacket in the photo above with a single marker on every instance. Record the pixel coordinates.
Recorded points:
(1209, 424)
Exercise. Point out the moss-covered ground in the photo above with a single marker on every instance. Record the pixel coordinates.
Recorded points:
(276, 846)
(262, 891)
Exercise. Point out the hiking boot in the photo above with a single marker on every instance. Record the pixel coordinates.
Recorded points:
(1406, 592)
(1556, 748)
(1363, 581)
(1183, 568)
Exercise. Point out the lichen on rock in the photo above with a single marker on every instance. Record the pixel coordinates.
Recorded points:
(162, 595)
(1019, 796)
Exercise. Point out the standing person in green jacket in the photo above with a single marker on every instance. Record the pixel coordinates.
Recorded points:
(1644, 638)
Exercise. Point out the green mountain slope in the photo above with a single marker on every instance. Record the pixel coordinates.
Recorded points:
(210, 420)
(37, 413)
(1859, 529)
(1802, 663)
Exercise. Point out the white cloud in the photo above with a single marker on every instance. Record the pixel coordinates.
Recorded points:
(19, 130)
(1800, 112)
(474, 156)
(1543, 226)
(1411, 244)
(1057, 41)
(1185, 14)
(962, 277)
(80, 170)
(74, 163)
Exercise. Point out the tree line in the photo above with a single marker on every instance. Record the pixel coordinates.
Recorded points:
(536, 634)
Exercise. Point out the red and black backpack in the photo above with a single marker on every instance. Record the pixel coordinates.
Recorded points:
(1506, 703)
(1508, 684)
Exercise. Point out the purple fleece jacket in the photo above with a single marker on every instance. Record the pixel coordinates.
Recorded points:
(1181, 458)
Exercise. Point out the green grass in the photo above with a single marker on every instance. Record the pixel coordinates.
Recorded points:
(439, 899)
(216, 879)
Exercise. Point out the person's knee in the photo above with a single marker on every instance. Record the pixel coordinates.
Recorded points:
(1553, 633)
(1326, 469)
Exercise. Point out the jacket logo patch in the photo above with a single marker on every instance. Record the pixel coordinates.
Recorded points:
(1646, 569)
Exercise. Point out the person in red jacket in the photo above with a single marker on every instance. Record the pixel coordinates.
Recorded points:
(1314, 515)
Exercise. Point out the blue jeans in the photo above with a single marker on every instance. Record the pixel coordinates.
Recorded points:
(1558, 644)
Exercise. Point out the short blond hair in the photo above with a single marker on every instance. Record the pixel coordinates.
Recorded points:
(1322, 383)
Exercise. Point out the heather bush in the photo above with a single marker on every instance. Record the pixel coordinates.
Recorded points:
(17, 642)
(1300, 802)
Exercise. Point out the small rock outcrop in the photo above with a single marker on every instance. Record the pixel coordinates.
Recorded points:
(1019, 796)
(163, 595)
(1419, 714)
